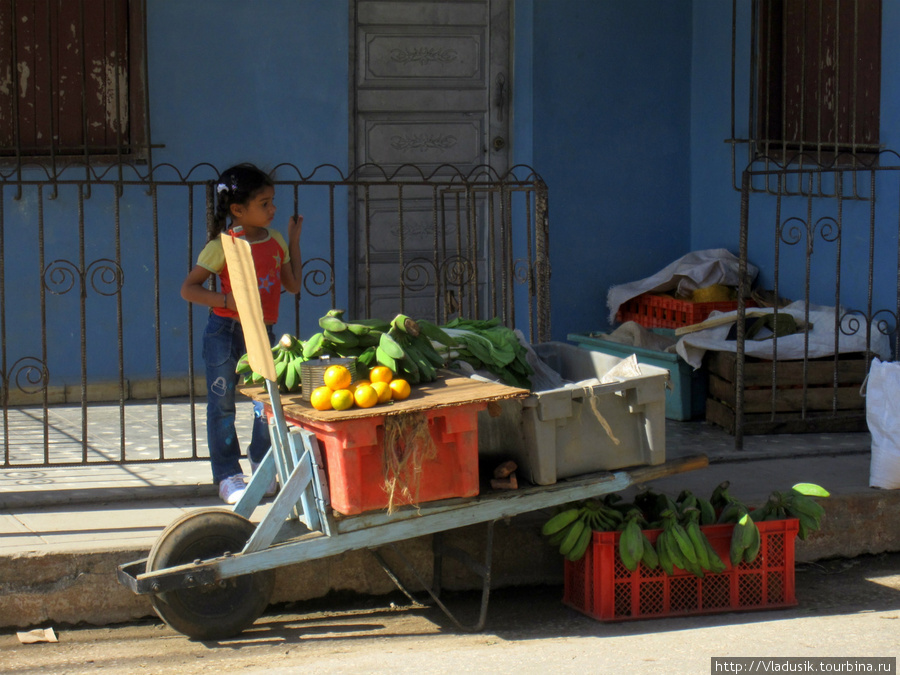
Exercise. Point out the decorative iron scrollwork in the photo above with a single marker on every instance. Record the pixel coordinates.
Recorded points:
(319, 280)
(418, 274)
(30, 375)
(829, 228)
(884, 321)
(522, 270)
(457, 271)
(792, 230)
(106, 277)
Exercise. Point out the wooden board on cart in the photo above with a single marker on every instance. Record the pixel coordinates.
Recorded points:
(449, 389)
(833, 402)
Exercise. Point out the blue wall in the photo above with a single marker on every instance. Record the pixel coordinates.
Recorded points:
(622, 106)
(611, 139)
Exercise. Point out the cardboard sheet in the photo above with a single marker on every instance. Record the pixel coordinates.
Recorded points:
(448, 390)
(245, 291)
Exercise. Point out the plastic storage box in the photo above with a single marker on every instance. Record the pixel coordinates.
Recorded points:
(687, 398)
(353, 452)
(600, 586)
(560, 433)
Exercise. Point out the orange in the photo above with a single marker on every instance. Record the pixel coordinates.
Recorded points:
(383, 389)
(357, 385)
(365, 396)
(399, 389)
(321, 398)
(381, 374)
(337, 377)
(342, 399)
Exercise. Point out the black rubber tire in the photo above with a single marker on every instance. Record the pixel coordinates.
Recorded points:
(214, 611)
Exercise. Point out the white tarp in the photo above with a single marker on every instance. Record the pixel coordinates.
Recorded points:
(692, 346)
(697, 269)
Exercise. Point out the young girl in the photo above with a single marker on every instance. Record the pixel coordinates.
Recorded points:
(245, 199)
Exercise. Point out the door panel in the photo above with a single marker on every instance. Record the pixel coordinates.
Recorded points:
(431, 89)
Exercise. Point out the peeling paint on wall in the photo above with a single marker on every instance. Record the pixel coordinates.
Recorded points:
(24, 74)
(112, 92)
(6, 81)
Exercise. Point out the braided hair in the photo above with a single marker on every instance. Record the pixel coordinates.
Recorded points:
(236, 185)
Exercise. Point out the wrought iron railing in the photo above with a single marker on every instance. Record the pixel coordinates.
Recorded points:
(91, 262)
(823, 247)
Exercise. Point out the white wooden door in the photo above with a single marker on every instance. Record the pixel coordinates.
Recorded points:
(431, 88)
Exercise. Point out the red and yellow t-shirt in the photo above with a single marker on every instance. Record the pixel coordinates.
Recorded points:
(269, 255)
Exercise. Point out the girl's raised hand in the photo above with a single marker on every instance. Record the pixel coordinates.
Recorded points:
(295, 227)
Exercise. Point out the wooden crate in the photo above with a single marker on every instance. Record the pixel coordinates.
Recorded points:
(788, 418)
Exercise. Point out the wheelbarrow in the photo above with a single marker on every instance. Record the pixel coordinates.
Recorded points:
(211, 573)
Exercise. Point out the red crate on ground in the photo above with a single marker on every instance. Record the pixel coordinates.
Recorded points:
(600, 586)
(664, 311)
(353, 452)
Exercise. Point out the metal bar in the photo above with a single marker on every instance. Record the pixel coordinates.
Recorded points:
(190, 313)
(435, 255)
(400, 243)
(4, 364)
(839, 223)
(41, 265)
(120, 333)
(483, 570)
(741, 313)
(156, 325)
(82, 301)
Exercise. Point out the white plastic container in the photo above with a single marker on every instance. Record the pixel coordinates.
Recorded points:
(566, 432)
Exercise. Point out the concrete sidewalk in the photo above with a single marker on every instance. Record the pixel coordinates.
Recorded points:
(63, 531)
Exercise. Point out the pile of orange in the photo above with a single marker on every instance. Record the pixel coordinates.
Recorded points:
(340, 393)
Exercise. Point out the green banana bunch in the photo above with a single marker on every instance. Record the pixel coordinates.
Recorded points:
(341, 337)
(745, 540)
(288, 354)
(569, 530)
(571, 527)
(652, 504)
(688, 500)
(631, 541)
(707, 557)
(679, 546)
(798, 503)
(403, 344)
(406, 348)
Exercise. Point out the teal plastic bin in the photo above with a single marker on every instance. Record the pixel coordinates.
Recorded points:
(687, 398)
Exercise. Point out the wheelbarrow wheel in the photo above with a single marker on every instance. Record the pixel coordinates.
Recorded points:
(213, 611)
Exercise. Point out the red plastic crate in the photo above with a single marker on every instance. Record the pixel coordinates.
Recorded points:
(599, 585)
(664, 311)
(353, 455)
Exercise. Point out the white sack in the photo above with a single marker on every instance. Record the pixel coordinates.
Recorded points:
(693, 346)
(883, 418)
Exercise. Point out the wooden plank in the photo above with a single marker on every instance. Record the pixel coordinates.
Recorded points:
(785, 423)
(851, 369)
(788, 399)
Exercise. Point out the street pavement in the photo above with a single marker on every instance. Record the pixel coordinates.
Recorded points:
(72, 525)
(847, 610)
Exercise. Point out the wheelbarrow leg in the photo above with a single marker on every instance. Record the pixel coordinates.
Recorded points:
(440, 549)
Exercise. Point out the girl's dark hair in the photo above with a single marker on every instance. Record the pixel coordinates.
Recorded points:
(236, 185)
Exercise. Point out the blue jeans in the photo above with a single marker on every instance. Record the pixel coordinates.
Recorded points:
(223, 345)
